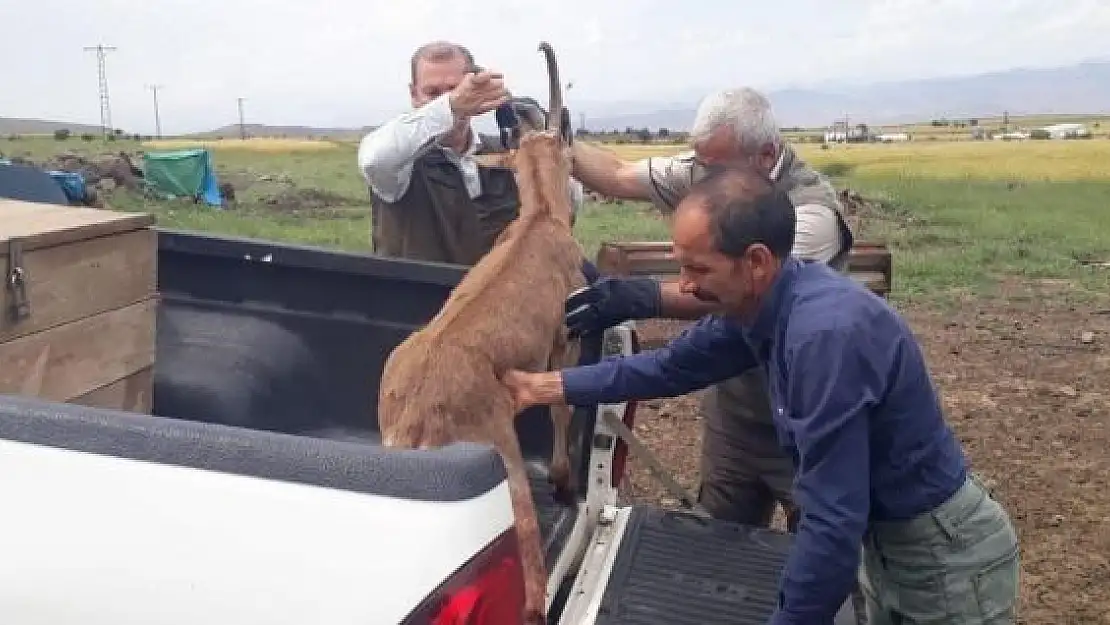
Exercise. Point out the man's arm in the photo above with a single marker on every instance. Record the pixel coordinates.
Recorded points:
(834, 383)
(386, 155)
(603, 171)
(710, 351)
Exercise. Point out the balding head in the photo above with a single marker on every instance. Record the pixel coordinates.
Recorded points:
(438, 67)
(742, 209)
(731, 233)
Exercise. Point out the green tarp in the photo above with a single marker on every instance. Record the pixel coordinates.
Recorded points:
(183, 173)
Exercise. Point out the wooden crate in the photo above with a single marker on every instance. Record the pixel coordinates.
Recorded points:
(870, 263)
(78, 305)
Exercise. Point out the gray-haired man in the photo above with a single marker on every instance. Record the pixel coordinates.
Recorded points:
(744, 470)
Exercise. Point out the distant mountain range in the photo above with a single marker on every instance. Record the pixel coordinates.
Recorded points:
(1083, 88)
(1078, 89)
(262, 130)
(20, 126)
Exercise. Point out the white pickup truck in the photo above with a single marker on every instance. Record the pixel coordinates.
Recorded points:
(259, 494)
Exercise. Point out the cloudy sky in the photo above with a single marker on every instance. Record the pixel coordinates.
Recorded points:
(344, 62)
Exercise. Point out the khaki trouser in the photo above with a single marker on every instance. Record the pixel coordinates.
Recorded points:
(956, 564)
(744, 470)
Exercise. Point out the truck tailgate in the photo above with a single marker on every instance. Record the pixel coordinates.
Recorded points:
(646, 565)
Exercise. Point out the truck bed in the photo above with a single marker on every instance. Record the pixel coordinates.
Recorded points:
(674, 568)
(293, 340)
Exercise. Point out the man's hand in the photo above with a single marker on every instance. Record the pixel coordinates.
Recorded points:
(609, 301)
(478, 93)
(533, 389)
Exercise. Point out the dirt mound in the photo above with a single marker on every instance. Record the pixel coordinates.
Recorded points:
(119, 168)
(300, 199)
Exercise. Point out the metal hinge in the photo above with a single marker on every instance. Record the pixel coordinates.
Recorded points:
(17, 282)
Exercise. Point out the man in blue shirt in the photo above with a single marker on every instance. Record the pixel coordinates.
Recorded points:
(853, 404)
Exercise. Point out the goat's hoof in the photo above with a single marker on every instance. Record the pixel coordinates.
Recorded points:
(566, 493)
(534, 616)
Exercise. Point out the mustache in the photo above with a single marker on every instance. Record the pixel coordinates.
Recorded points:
(706, 296)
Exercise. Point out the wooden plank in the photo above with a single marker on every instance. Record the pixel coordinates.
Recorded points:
(868, 262)
(70, 360)
(133, 393)
(68, 282)
(42, 225)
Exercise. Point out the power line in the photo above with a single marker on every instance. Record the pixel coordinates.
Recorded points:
(157, 118)
(102, 77)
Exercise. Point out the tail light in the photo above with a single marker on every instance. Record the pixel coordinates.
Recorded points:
(620, 451)
(487, 590)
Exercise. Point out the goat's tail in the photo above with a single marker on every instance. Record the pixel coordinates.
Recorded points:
(554, 88)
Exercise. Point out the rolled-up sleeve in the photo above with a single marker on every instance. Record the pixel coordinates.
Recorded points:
(667, 179)
(711, 350)
(386, 154)
(835, 380)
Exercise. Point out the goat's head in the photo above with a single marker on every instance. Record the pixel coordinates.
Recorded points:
(529, 120)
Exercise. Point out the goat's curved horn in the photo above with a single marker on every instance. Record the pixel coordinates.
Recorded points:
(555, 90)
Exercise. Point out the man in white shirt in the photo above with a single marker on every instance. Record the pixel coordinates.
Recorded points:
(431, 198)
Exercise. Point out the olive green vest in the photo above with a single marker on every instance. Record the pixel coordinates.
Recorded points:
(806, 185)
(436, 220)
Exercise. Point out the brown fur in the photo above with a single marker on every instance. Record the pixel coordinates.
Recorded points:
(442, 384)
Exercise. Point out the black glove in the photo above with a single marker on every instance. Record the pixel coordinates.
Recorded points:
(609, 301)
(532, 116)
(590, 270)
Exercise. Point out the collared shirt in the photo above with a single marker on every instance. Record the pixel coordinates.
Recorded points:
(387, 154)
(853, 404)
(669, 178)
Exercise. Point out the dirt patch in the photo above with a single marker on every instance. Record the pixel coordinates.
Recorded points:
(301, 200)
(863, 212)
(1025, 380)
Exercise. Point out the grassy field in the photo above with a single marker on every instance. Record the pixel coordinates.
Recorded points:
(959, 215)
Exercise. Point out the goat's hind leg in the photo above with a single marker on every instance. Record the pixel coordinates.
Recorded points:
(503, 436)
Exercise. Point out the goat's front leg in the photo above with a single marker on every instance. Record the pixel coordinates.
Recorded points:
(504, 439)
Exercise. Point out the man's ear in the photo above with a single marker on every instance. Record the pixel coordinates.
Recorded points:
(761, 261)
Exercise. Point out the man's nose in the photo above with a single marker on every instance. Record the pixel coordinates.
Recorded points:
(686, 285)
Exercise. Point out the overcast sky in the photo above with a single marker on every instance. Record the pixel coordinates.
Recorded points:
(344, 62)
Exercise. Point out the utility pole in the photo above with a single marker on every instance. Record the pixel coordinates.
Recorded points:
(157, 118)
(102, 77)
(242, 126)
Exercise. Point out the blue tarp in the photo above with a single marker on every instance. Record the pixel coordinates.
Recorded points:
(30, 184)
(72, 183)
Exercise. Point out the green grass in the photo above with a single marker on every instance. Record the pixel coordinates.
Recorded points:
(949, 236)
(953, 237)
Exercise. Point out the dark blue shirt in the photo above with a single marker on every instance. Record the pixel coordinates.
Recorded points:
(853, 404)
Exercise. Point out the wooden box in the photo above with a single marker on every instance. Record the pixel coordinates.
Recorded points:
(869, 263)
(78, 304)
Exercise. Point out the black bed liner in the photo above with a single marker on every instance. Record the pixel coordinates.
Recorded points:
(677, 569)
